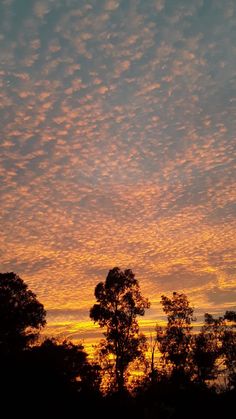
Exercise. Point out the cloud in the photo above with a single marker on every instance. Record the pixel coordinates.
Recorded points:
(180, 278)
(117, 148)
(41, 8)
(221, 297)
(111, 5)
(160, 4)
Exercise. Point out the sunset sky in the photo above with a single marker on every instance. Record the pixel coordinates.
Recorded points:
(118, 122)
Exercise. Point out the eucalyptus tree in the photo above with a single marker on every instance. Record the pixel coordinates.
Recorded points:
(119, 302)
(175, 340)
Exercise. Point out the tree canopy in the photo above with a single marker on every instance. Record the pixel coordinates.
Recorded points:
(21, 314)
(119, 302)
(197, 368)
(214, 352)
(174, 341)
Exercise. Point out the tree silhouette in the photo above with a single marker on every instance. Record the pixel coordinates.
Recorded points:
(21, 314)
(67, 363)
(204, 355)
(207, 349)
(229, 347)
(175, 340)
(214, 352)
(60, 376)
(119, 302)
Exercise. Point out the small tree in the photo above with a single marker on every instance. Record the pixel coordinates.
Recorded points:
(21, 314)
(229, 347)
(207, 349)
(67, 363)
(204, 356)
(175, 340)
(214, 351)
(119, 302)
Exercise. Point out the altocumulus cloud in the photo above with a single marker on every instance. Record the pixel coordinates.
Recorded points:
(117, 148)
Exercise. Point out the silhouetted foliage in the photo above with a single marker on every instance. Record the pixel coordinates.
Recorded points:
(174, 340)
(21, 314)
(54, 376)
(205, 354)
(229, 347)
(218, 353)
(196, 376)
(183, 383)
(119, 302)
(68, 362)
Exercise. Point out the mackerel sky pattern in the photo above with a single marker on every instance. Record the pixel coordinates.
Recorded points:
(118, 121)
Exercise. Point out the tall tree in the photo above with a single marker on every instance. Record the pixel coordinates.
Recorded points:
(21, 314)
(175, 340)
(119, 302)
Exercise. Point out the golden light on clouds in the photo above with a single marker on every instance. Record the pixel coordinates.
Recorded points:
(118, 149)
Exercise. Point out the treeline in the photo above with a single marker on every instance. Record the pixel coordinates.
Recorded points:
(180, 373)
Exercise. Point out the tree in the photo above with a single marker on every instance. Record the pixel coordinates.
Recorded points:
(207, 349)
(119, 302)
(214, 351)
(21, 314)
(204, 356)
(175, 340)
(67, 363)
(229, 347)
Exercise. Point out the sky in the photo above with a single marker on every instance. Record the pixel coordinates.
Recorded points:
(118, 121)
